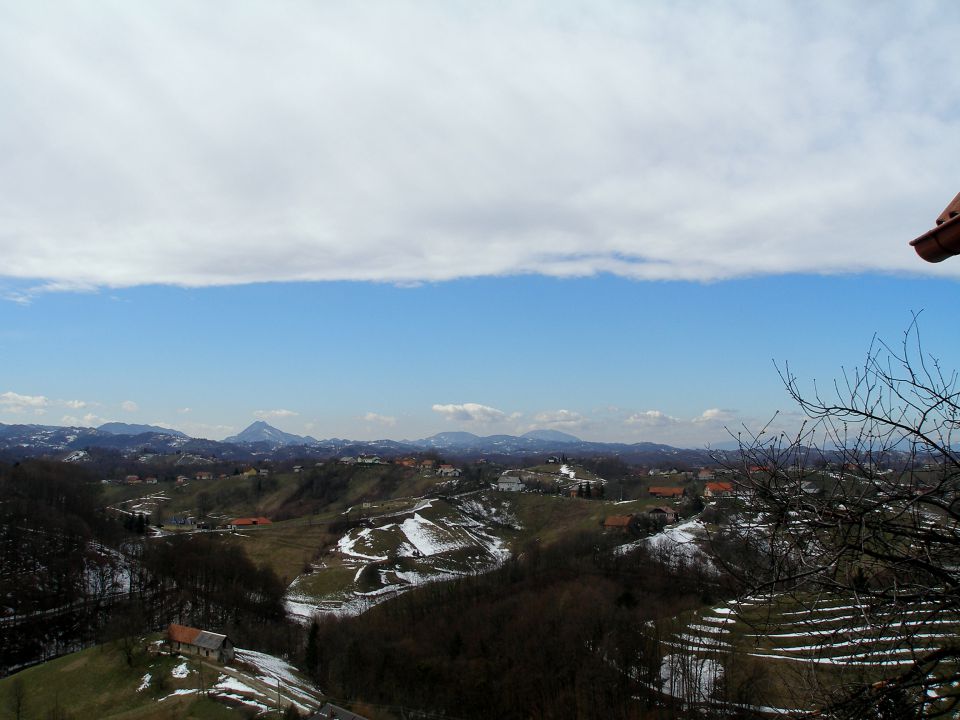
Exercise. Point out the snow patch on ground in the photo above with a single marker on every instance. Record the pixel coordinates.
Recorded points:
(346, 545)
(181, 670)
(677, 543)
(145, 683)
(228, 683)
(497, 515)
(427, 537)
(269, 669)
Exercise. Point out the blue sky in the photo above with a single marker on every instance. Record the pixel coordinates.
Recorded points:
(604, 358)
(607, 218)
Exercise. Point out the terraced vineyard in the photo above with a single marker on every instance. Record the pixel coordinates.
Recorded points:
(790, 652)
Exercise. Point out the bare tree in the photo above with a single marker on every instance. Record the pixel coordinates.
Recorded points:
(17, 698)
(862, 506)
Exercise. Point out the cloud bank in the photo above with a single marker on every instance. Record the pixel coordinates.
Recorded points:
(378, 419)
(207, 144)
(472, 413)
(11, 402)
(277, 414)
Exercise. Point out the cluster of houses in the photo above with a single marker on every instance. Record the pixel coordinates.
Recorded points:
(425, 464)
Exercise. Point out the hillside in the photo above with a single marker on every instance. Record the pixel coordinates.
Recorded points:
(99, 683)
(377, 531)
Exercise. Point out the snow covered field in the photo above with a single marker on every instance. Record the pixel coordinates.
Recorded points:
(434, 541)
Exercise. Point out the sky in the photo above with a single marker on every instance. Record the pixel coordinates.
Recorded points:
(608, 218)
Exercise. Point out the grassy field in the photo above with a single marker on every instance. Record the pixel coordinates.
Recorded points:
(286, 547)
(99, 683)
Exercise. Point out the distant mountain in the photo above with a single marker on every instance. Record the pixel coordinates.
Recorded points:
(261, 441)
(552, 436)
(532, 442)
(119, 428)
(261, 432)
(448, 440)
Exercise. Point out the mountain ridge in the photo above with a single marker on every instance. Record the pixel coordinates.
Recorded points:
(122, 428)
(262, 432)
(261, 441)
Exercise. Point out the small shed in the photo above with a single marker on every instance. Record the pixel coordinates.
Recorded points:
(205, 644)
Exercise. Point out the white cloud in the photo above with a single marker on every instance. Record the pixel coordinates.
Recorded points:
(185, 410)
(129, 406)
(377, 418)
(715, 415)
(273, 414)
(651, 418)
(88, 420)
(472, 413)
(560, 420)
(16, 403)
(75, 404)
(670, 140)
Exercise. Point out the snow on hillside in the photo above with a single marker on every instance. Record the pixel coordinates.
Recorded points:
(348, 542)
(426, 537)
(491, 513)
(404, 550)
(677, 542)
(274, 672)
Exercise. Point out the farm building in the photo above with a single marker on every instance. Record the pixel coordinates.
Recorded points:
(617, 522)
(667, 492)
(510, 483)
(237, 523)
(667, 513)
(718, 489)
(191, 641)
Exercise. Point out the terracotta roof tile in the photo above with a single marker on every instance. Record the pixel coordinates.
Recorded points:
(942, 241)
(182, 633)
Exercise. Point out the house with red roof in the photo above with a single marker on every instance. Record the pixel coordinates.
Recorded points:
(205, 644)
(718, 489)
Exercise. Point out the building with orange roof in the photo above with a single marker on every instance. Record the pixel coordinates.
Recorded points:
(247, 522)
(718, 489)
(205, 644)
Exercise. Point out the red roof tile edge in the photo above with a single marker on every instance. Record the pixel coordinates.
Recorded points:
(943, 241)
